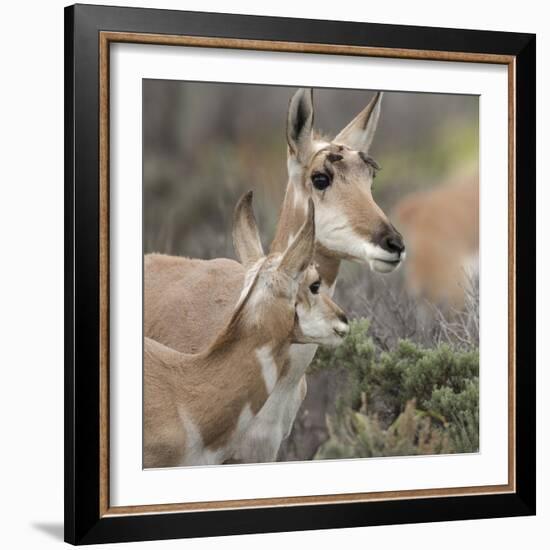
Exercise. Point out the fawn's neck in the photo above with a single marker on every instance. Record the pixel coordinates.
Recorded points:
(238, 377)
(258, 362)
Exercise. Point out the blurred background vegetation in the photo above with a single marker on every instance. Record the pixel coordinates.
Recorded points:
(406, 379)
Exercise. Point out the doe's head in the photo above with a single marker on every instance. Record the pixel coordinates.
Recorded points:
(338, 176)
(281, 293)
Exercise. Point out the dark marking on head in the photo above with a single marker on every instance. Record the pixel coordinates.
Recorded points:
(329, 170)
(334, 157)
(369, 161)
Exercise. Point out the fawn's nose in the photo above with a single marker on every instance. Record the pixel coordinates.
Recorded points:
(342, 328)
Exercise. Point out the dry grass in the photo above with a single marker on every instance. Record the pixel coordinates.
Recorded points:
(396, 315)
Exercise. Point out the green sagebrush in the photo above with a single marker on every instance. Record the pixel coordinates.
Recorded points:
(411, 400)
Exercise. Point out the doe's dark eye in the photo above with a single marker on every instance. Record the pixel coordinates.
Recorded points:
(320, 181)
(314, 287)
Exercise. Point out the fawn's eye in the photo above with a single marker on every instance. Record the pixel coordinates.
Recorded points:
(320, 181)
(314, 287)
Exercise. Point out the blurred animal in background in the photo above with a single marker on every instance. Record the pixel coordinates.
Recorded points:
(198, 407)
(441, 228)
(188, 301)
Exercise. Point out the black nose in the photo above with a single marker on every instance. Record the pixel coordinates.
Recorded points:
(343, 318)
(393, 242)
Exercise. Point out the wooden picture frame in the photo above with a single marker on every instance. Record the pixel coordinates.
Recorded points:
(89, 32)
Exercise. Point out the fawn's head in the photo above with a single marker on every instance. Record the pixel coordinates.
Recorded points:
(338, 176)
(281, 295)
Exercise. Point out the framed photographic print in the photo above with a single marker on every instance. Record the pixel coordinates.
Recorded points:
(299, 274)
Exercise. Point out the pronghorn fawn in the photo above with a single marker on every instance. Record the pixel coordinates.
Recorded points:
(188, 301)
(441, 226)
(197, 407)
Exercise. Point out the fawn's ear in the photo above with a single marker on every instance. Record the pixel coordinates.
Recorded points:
(246, 237)
(299, 126)
(358, 134)
(299, 253)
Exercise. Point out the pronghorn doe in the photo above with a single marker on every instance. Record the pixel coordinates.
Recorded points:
(441, 226)
(197, 407)
(188, 301)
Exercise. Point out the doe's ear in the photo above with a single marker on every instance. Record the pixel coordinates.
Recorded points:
(299, 127)
(246, 237)
(299, 253)
(358, 134)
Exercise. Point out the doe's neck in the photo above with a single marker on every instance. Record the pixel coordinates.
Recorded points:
(291, 218)
(328, 266)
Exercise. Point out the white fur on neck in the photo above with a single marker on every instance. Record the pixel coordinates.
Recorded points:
(196, 454)
(195, 451)
(269, 367)
(273, 423)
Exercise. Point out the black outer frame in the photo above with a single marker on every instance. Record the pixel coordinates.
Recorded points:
(83, 524)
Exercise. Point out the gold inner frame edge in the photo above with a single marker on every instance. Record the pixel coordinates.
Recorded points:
(108, 37)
